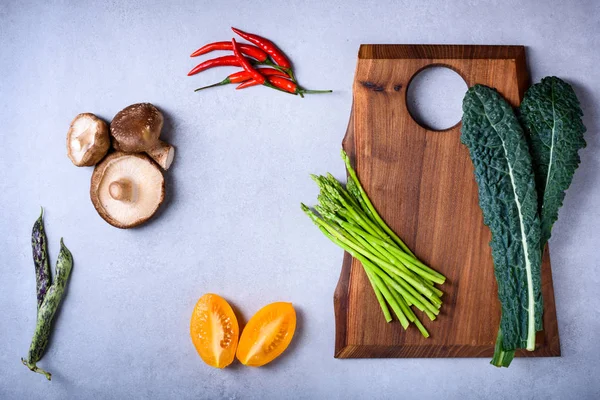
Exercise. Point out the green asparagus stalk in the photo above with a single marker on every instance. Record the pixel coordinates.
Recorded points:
(351, 247)
(399, 280)
(370, 269)
(363, 194)
(380, 299)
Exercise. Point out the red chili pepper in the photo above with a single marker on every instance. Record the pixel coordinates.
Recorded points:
(225, 61)
(271, 72)
(246, 84)
(246, 64)
(291, 87)
(267, 46)
(238, 77)
(243, 76)
(246, 49)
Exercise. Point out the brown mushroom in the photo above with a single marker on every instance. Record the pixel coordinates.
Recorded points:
(136, 129)
(87, 140)
(127, 189)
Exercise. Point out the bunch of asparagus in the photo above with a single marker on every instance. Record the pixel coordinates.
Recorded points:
(348, 218)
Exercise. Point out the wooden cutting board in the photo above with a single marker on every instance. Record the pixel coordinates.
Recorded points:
(422, 183)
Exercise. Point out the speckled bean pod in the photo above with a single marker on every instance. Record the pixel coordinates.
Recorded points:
(39, 245)
(48, 309)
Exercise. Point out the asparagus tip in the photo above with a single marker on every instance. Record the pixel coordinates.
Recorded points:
(308, 212)
(345, 157)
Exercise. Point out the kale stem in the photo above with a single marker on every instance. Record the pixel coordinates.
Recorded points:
(501, 358)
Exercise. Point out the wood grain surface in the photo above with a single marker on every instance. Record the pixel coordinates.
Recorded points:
(422, 184)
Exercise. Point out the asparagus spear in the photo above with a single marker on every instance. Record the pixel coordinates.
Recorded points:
(380, 221)
(399, 280)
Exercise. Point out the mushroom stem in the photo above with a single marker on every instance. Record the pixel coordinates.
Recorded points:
(121, 190)
(162, 153)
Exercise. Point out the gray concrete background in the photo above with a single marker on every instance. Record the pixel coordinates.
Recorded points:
(232, 223)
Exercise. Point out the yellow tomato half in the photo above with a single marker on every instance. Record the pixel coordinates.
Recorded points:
(214, 330)
(267, 334)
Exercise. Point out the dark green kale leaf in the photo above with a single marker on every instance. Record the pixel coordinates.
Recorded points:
(508, 199)
(551, 116)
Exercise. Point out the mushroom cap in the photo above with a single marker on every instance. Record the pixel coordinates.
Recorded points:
(136, 128)
(127, 189)
(87, 140)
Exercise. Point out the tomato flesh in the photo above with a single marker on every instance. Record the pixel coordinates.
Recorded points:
(267, 334)
(214, 330)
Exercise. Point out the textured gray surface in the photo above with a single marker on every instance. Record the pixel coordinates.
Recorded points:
(232, 224)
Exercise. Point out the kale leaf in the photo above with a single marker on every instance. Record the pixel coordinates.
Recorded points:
(551, 116)
(508, 199)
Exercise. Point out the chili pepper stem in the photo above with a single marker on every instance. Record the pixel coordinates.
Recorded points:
(315, 91)
(37, 369)
(223, 82)
(288, 71)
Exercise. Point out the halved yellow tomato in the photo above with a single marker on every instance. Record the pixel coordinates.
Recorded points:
(267, 334)
(214, 330)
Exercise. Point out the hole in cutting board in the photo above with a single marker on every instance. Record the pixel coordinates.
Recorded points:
(434, 98)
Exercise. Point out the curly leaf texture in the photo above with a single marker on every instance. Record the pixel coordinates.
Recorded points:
(551, 116)
(508, 199)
